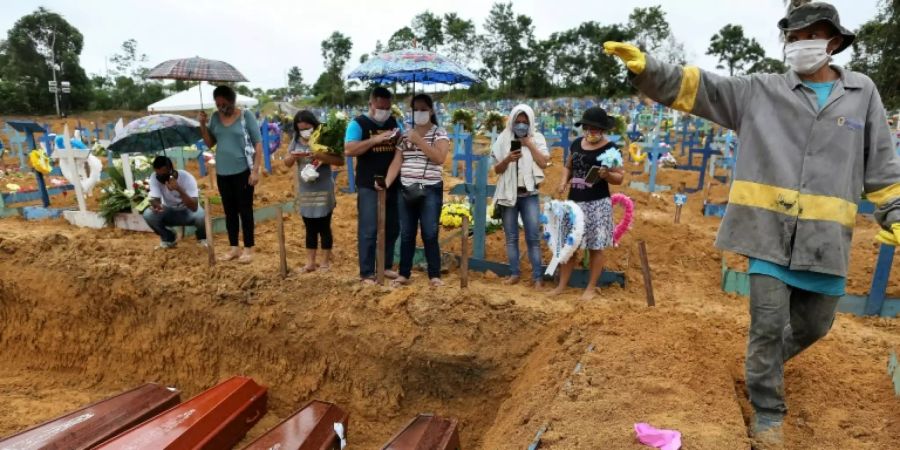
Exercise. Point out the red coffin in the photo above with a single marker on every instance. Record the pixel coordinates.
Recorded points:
(216, 419)
(426, 432)
(97, 422)
(310, 428)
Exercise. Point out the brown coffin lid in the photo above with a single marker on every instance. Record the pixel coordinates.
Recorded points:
(310, 428)
(216, 419)
(96, 422)
(426, 432)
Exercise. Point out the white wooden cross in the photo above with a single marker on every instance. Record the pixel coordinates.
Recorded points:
(76, 158)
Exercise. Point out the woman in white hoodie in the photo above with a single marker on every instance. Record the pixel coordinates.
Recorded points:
(520, 155)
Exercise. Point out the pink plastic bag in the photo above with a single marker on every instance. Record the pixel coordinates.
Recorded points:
(661, 439)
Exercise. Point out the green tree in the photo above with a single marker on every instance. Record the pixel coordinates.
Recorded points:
(876, 52)
(650, 27)
(130, 62)
(401, 39)
(329, 87)
(32, 46)
(460, 38)
(504, 50)
(734, 50)
(578, 69)
(429, 30)
(295, 82)
(336, 51)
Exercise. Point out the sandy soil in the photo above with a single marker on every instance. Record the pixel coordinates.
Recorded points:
(85, 314)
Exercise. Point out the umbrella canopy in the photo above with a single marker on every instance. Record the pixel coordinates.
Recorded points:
(187, 100)
(413, 65)
(196, 69)
(156, 133)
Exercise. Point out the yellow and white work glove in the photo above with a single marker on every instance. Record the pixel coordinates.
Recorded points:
(632, 56)
(890, 237)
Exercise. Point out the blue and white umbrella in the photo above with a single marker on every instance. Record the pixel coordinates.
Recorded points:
(413, 65)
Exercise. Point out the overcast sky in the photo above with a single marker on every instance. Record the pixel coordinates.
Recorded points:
(265, 38)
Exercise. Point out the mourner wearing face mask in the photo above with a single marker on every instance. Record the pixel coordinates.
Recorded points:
(588, 185)
(419, 163)
(173, 202)
(813, 141)
(315, 190)
(520, 154)
(372, 140)
(235, 134)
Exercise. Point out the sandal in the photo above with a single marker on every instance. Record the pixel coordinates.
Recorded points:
(391, 275)
(229, 256)
(400, 281)
(304, 269)
(436, 282)
(245, 259)
(368, 282)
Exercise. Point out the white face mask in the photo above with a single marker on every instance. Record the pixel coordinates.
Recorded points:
(381, 115)
(422, 117)
(305, 134)
(808, 56)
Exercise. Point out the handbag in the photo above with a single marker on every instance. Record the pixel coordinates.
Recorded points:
(415, 193)
(249, 151)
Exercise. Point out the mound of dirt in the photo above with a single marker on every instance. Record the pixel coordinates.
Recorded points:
(85, 314)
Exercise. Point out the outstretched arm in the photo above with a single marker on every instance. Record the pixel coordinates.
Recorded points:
(689, 89)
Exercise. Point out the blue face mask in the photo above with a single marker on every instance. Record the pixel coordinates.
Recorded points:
(521, 130)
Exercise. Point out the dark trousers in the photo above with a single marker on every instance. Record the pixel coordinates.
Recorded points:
(427, 214)
(784, 321)
(318, 227)
(237, 200)
(367, 228)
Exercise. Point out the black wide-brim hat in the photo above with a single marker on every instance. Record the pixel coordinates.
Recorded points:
(596, 117)
(810, 13)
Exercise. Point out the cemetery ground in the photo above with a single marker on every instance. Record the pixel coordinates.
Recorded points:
(85, 314)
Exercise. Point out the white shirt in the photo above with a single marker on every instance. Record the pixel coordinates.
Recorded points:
(171, 198)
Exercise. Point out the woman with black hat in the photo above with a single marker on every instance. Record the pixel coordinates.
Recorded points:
(589, 184)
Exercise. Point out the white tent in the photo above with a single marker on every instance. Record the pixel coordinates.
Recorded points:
(189, 100)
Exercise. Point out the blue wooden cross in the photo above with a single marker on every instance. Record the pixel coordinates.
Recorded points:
(462, 151)
(876, 298)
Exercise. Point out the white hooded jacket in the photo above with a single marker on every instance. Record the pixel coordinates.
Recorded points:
(506, 193)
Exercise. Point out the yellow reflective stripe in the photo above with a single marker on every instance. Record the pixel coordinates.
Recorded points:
(823, 207)
(793, 203)
(690, 83)
(882, 196)
(758, 195)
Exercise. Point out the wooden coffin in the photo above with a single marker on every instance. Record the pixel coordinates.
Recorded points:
(310, 428)
(216, 419)
(426, 432)
(97, 422)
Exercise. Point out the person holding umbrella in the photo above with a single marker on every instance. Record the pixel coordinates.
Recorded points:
(237, 138)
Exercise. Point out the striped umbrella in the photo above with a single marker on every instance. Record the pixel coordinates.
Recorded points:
(197, 69)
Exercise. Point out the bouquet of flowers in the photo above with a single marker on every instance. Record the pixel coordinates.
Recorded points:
(329, 137)
(452, 214)
(493, 120)
(465, 117)
(116, 197)
(611, 158)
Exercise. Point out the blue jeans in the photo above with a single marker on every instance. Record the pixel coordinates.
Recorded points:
(427, 214)
(172, 217)
(529, 209)
(367, 228)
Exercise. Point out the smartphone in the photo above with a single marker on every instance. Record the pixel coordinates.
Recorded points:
(379, 180)
(515, 146)
(593, 175)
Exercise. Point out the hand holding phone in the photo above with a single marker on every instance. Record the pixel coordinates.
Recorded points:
(380, 182)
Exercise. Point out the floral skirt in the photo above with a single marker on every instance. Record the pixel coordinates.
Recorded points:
(598, 224)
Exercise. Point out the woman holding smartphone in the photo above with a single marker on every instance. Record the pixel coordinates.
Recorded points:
(588, 185)
(315, 190)
(520, 154)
